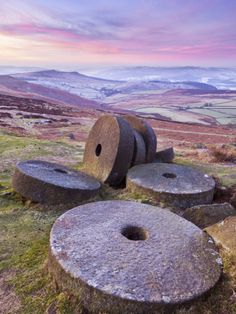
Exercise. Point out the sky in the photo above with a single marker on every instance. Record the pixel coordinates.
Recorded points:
(69, 33)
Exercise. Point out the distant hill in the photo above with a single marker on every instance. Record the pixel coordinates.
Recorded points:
(72, 82)
(59, 74)
(15, 86)
(222, 78)
(99, 89)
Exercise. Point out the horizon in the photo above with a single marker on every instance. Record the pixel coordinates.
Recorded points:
(107, 34)
(77, 68)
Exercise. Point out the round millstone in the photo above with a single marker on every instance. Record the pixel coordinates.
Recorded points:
(139, 155)
(171, 185)
(109, 149)
(50, 183)
(127, 257)
(147, 133)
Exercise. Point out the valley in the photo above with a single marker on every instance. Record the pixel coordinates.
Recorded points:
(171, 100)
(52, 104)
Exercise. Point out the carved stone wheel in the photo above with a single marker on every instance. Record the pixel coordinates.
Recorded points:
(50, 183)
(109, 149)
(127, 257)
(171, 185)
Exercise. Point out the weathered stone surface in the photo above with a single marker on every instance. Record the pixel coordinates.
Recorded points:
(109, 149)
(206, 215)
(165, 155)
(139, 155)
(126, 257)
(171, 185)
(224, 234)
(147, 133)
(50, 183)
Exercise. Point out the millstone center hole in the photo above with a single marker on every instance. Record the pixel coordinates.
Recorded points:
(134, 233)
(169, 175)
(98, 150)
(60, 170)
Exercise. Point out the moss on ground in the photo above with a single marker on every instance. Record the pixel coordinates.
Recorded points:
(24, 237)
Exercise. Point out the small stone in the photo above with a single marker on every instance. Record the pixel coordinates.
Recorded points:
(171, 185)
(126, 257)
(50, 183)
(71, 136)
(200, 146)
(166, 155)
(206, 215)
(109, 149)
(224, 235)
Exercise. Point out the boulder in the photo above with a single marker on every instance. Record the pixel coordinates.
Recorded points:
(165, 155)
(206, 215)
(224, 235)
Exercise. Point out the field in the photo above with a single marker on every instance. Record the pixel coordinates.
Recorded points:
(181, 106)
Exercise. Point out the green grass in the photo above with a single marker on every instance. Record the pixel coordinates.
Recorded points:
(16, 148)
(25, 228)
(23, 249)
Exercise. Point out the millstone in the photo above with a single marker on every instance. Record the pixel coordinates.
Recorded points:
(50, 183)
(139, 155)
(174, 186)
(147, 133)
(109, 149)
(126, 257)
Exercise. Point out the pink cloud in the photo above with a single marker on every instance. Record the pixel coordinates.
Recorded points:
(183, 30)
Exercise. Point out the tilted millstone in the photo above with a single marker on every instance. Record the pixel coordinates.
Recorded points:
(147, 133)
(109, 149)
(171, 185)
(139, 155)
(50, 183)
(127, 257)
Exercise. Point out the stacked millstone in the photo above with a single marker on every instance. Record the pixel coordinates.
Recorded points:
(127, 257)
(115, 144)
